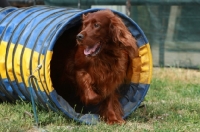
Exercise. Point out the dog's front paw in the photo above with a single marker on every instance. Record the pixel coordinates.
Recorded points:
(115, 121)
(90, 97)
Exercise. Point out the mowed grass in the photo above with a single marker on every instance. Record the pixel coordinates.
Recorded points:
(172, 104)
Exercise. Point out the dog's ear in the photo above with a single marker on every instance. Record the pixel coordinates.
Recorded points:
(121, 35)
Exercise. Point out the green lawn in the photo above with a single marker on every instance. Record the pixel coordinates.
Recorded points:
(172, 104)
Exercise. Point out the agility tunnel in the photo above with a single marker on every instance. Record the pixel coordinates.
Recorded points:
(33, 45)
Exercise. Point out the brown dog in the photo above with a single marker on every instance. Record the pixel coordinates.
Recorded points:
(99, 63)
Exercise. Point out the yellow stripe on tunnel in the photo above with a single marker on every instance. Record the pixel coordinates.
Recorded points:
(17, 63)
(25, 64)
(3, 46)
(47, 71)
(9, 63)
(142, 66)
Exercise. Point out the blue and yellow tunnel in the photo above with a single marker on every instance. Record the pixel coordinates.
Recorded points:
(32, 43)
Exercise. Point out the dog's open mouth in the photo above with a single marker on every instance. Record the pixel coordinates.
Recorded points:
(92, 51)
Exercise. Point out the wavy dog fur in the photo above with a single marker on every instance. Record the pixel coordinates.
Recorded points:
(100, 62)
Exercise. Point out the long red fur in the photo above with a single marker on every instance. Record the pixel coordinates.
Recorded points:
(97, 78)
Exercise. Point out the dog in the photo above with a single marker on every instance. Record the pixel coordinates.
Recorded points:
(105, 47)
(100, 62)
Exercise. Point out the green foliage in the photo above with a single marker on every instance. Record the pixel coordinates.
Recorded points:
(171, 105)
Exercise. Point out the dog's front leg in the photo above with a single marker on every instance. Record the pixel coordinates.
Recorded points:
(111, 111)
(85, 90)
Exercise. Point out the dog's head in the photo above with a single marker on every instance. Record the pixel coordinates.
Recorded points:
(101, 28)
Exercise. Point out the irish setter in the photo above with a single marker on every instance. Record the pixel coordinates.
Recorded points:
(99, 63)
(105, 47)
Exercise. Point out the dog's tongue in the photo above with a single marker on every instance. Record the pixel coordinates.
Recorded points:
(91, 50)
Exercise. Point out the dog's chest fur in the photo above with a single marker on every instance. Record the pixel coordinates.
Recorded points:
(107, 67)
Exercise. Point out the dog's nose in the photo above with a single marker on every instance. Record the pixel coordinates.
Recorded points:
(79, 36)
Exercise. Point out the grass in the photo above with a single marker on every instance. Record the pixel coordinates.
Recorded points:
(171, 105)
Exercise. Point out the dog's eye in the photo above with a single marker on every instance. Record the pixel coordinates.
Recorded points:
(96, 25)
